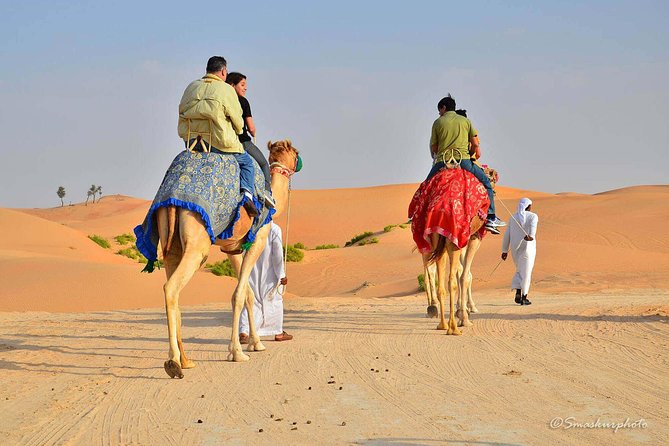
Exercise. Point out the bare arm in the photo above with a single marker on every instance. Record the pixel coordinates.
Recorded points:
(474, 148)
(433, 149)
(250, 125)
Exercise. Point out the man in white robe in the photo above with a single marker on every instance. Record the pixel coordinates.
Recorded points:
(520, 237)
(266, 279)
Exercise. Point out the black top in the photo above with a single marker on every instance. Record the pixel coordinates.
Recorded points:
(246, 113)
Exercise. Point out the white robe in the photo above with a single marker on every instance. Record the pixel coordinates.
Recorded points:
(266, 274)
(522, 251)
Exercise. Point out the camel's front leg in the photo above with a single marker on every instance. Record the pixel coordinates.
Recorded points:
(254, 340)
(430, 286)
(239, 297)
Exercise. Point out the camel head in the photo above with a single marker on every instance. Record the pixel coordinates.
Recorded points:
(284, 158)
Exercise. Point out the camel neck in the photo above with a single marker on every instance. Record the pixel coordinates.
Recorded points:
(280, 185)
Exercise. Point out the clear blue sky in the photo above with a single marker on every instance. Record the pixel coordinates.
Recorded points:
(567, 96)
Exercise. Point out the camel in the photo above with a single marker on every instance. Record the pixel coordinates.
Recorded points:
(448, 214)
(431, 289)
(186, 245)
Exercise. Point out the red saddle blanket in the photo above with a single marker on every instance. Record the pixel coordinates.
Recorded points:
(446, 205)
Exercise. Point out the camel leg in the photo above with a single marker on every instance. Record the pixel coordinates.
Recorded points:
(466, 280)
(453, 257)
(430, 287)
(458, 275)
(195, 245)
(240, 294)
(254, 340)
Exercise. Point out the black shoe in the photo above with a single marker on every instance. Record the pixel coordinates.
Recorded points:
(525, 301)
(519, 298)
(250, 206)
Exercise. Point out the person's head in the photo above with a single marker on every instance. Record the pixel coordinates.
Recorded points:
(446, 104)
(218, 66)
(461, 112)
(238, 82)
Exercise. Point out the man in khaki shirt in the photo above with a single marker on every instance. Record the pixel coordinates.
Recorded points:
(210, 118)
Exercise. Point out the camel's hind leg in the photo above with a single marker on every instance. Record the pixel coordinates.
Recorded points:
(254, 340)
(453, 257)
(239, 297)
(180, 267)
(430, 286)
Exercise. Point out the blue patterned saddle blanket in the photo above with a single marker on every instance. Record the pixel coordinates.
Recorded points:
(206, 183)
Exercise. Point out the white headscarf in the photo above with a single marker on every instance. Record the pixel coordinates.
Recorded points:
(521, 215)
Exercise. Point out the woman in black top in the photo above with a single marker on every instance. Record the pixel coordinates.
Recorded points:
(238, 82)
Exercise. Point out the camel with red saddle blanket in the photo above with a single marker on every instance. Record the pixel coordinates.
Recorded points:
(447, 217)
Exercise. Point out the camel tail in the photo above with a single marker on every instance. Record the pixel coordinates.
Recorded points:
(438, 250)
(171, 228)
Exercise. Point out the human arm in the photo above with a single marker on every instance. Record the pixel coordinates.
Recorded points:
(532, 233)
(276, 246)
(250, 125)
(474, 147)
(233, 109)
(434, 141)
(505, 243)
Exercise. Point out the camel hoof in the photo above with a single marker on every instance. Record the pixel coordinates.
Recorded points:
(473, 309)
(256, 347)
(432, 311)
(453, 331)
(188, 364)
(238, 356)
(173, 369)
(442, 326)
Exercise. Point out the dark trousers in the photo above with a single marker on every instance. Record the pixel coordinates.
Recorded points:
(257, 155)
(480, 175)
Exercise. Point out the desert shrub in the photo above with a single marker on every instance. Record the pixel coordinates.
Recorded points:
(124, 239)
(130, 253)
(357, 238)
(421, 282)
(327, 247)
(368, 241)
(300, 245)
(389, 228)
(100, 241)
(404, 225)
(293, 254)
(222, 268)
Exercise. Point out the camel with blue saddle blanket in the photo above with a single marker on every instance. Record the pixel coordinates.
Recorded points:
(197, 205)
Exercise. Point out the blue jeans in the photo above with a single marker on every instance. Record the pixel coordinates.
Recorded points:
(480, 175)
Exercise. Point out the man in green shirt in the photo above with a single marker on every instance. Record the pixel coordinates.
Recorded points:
(455, 140)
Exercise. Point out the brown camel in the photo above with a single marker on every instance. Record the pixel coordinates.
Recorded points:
(186, 247)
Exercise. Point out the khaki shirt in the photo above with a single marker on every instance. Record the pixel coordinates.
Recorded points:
(452, 133)
(212, 108)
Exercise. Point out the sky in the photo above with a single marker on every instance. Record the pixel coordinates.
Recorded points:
(567, 96)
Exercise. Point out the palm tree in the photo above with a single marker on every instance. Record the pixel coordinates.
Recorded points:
(98, 190)
(61, 194)
(91, 192)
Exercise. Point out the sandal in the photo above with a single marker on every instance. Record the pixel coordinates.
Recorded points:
(283, 337)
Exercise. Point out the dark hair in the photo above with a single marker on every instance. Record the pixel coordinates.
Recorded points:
(461, 112)
(234, 78)
(216, 64)
(448, 102)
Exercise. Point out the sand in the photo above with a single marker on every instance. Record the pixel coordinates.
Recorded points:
(83, 333)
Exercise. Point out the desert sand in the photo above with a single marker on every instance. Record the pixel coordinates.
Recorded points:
(83, 333)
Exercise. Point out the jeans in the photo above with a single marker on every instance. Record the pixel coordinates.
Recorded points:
(480, 175)
(247, 172)
(257, 155)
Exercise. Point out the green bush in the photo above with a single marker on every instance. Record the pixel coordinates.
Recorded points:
(130, 253)
(300, 245)
(293, 254)
(222, 268)
(327, 247)
(389, 228)
(100, 241)
(124, 239)
(368, 241)
(404, 225)
(358, 237)
(421, 282)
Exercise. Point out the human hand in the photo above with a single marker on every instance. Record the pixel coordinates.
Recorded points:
(528, 238)
(284, 281)
(504, 255)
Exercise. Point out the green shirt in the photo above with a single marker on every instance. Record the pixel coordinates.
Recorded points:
(452, 132)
